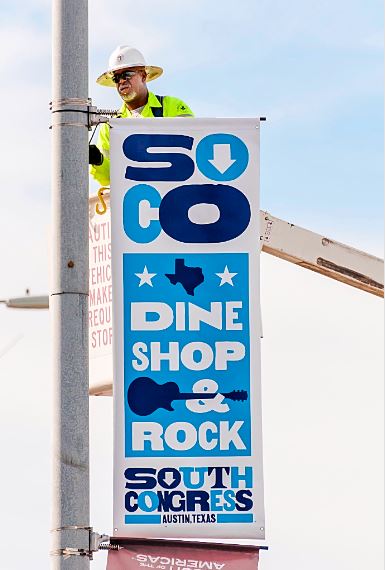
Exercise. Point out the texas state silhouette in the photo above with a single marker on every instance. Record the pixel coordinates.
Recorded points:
(188, 277)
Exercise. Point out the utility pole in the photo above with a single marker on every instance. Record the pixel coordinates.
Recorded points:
(69, 286)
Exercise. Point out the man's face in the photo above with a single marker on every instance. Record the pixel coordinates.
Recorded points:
(130, 82)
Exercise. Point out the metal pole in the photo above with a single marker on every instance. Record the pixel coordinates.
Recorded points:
(69, 288)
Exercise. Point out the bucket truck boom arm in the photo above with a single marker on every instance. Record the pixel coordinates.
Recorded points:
(321, 254)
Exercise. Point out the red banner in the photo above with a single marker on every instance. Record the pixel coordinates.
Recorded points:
(176, 555)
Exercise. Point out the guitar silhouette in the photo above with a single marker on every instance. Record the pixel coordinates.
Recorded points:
(144, 396)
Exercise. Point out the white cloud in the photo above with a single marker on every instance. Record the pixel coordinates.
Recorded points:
(374, 41)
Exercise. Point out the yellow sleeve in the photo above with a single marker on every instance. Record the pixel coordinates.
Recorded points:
(102, 173)
(183, 109)
(174, 107)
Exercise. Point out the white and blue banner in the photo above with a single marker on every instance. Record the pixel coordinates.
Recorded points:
(186, 328)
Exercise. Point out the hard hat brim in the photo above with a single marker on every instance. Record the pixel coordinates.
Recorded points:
(105, 79)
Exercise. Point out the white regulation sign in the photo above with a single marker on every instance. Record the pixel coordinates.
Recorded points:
(100, 297)
(186, 322)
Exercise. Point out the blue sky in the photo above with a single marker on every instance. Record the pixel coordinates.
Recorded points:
(315, 70)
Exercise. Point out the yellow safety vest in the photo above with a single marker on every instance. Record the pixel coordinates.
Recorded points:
(172, 107)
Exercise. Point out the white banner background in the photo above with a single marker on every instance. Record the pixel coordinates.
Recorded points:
(186, 468)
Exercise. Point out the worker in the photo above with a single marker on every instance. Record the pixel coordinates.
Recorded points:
(129, 73)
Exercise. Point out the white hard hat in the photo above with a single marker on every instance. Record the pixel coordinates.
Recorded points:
(123, 57)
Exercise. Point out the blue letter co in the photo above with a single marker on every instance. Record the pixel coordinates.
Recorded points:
(220, 157)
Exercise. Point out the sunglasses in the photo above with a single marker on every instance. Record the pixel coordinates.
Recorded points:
(116, 77)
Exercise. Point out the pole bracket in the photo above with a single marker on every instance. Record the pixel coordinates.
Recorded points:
(95, 116)
(96, 542)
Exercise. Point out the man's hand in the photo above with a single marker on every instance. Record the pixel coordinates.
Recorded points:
(95, 156)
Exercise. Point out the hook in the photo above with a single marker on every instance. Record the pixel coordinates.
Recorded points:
(103, 208)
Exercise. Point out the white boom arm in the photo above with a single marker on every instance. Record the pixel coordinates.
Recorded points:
(321, 254)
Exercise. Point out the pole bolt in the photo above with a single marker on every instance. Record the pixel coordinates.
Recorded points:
(70, 264)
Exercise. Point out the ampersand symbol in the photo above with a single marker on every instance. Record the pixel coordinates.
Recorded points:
(212, 405)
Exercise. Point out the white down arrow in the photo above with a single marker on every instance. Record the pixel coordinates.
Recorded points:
(222, 157)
